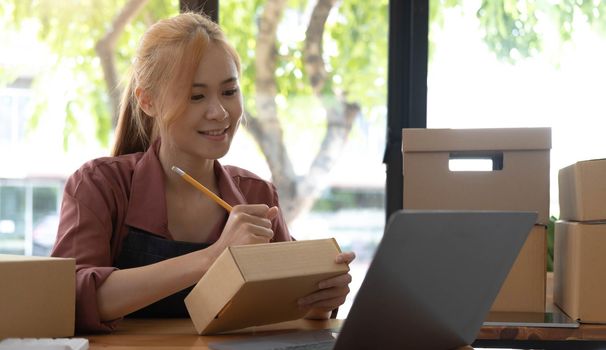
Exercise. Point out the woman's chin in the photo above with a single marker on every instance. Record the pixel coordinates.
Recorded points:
(214, 154)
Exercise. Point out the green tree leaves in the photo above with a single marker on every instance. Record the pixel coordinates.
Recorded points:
(355, 42)
(509, 27)
(71, 28)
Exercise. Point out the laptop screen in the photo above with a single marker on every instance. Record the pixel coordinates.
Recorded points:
(433, 279)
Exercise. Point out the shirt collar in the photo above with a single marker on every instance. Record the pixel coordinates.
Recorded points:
(229, 190)
(147, 202)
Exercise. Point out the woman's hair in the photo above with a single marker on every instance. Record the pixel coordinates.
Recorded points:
(164, 66)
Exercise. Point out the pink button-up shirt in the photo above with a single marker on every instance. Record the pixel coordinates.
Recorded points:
(106, 196)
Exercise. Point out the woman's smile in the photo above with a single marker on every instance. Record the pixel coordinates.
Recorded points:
(214, 134)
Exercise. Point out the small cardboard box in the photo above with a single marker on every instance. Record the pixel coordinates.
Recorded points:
(37, 297)
(519, 179)
(252, 285)
(579, 269)
(524, 288)
(582, 188)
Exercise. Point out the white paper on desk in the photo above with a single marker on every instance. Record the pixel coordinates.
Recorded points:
(277, 341)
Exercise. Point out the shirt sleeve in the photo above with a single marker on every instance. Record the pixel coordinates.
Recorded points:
(85, 233)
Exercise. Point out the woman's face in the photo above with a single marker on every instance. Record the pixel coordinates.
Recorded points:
(213, 114)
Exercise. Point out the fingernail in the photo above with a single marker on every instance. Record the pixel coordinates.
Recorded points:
(272, 213)
(339, 259)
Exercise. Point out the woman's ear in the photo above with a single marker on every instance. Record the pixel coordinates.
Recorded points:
(145, 102)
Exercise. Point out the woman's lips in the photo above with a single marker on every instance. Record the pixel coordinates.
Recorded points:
(216, 134)
(213, 132)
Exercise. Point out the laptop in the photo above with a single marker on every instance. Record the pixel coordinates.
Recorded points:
(430, 285)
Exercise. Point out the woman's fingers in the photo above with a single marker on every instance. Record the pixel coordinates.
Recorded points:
(325, 304)
(248, 219)
(332, 291)
(338, 281)
(252, 209)
(345, 257)
(259, 214)
(272, 213)
(330, 297)
(248, 224)
(260, 231)
(330, 288)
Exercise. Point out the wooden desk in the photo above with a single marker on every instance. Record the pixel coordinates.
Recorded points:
(584, 332)
(165, 334)
(584, 337)
(135, 334)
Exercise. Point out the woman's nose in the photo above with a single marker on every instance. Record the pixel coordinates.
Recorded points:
(216, 110)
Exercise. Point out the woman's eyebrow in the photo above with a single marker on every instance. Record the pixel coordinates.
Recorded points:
(228, 80)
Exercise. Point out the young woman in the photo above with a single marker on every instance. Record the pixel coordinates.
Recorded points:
(141, 235)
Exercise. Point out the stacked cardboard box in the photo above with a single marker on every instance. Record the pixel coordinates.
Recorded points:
(37, 297)
(518, 180)
(580, 242)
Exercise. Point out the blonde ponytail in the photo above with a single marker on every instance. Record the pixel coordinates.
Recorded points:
(135, 129)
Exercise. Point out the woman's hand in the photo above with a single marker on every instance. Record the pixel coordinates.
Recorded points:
(247, 224)
(331, 293)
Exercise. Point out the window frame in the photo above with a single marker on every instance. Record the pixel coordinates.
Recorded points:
(407, 88)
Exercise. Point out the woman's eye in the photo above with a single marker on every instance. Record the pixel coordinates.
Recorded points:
(230, 92)
(197, 97)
